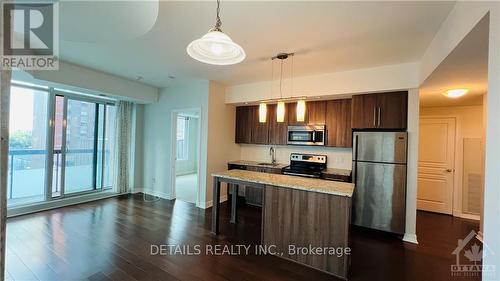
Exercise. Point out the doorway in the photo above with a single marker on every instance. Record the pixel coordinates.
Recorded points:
(186, 142)
(452, 130)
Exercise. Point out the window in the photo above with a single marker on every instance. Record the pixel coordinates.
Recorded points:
(182, 137)
(73, 155)
(27, 145)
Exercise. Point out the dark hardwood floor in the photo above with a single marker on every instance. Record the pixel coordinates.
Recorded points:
(111, 239)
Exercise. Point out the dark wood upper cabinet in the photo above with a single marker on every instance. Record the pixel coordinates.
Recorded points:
(316, 112)
(277, 131)
(314, 115)
(338, 123)
(380, 111)
(243, 121)
(393, 110)
(259, 131)
(364, 111)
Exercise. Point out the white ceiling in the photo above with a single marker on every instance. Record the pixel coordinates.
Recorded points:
(326, 37)
(465, 67)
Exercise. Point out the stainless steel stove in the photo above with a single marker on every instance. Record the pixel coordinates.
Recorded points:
(305, 165)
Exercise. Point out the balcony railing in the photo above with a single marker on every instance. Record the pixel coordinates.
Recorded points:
(27, 169)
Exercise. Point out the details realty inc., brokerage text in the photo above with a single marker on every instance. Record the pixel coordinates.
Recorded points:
(245, 249)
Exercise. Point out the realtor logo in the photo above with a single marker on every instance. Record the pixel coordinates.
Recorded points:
(469, 258)
(30, 36)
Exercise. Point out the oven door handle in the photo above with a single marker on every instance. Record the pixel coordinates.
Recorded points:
(300, 175)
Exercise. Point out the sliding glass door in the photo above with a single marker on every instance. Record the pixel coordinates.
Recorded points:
(70, 133)
(81, 139)
(27, 145)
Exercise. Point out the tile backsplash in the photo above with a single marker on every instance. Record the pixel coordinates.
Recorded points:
(340, 158)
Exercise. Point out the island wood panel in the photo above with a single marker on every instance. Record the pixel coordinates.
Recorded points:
(277, 131)
(243, 121)
(302, 218)
(338, 123)
(364, 111)
(253, 195)
(393, 109)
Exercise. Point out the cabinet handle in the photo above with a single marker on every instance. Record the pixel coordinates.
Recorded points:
(378, 117)
(374, 117)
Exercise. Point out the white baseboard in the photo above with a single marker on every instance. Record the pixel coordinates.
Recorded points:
(59, 203)
(160, 194)
(410, 238)
(208, 204)
(466, 216)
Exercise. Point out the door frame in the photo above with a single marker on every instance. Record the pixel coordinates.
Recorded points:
(173, 151)
(458, 164)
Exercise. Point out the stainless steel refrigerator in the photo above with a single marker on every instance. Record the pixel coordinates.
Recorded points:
(379, 174)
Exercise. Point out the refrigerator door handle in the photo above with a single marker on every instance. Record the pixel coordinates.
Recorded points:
(355, 168)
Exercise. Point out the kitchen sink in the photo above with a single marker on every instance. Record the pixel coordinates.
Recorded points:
(268, 164)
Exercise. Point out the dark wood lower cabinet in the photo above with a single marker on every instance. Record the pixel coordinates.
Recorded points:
(295, 218)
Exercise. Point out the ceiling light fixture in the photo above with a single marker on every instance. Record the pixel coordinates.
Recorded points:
(216, 47)
(455, 93)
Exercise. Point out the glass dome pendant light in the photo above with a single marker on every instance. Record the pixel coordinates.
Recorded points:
(216, 47)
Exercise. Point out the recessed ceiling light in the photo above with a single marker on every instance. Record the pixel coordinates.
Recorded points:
(455, 93)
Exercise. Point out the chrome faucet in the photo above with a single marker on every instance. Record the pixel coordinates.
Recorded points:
(273, 155)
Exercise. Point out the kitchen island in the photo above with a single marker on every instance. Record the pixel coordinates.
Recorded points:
(305, 220)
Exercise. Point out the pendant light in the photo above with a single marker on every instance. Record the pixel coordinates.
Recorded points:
(262, 112)
(216, 47)
(301, 110)
(280, 108)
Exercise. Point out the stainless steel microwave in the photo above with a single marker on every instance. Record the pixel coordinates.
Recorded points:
(306, 135)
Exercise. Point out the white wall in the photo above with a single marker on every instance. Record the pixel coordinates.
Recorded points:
(377, 79)
(492, 149)
(157, 171)
(221, 131)
(217, 137)
(340, 158)
(97, 81)
(471, 118)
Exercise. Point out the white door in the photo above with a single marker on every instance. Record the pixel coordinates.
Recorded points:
(436, 165)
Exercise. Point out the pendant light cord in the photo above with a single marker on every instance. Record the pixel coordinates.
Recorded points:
(281, 80)
(218, 22)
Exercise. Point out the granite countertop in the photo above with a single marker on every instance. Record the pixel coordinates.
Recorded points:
(258, 164)
(306, 184)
